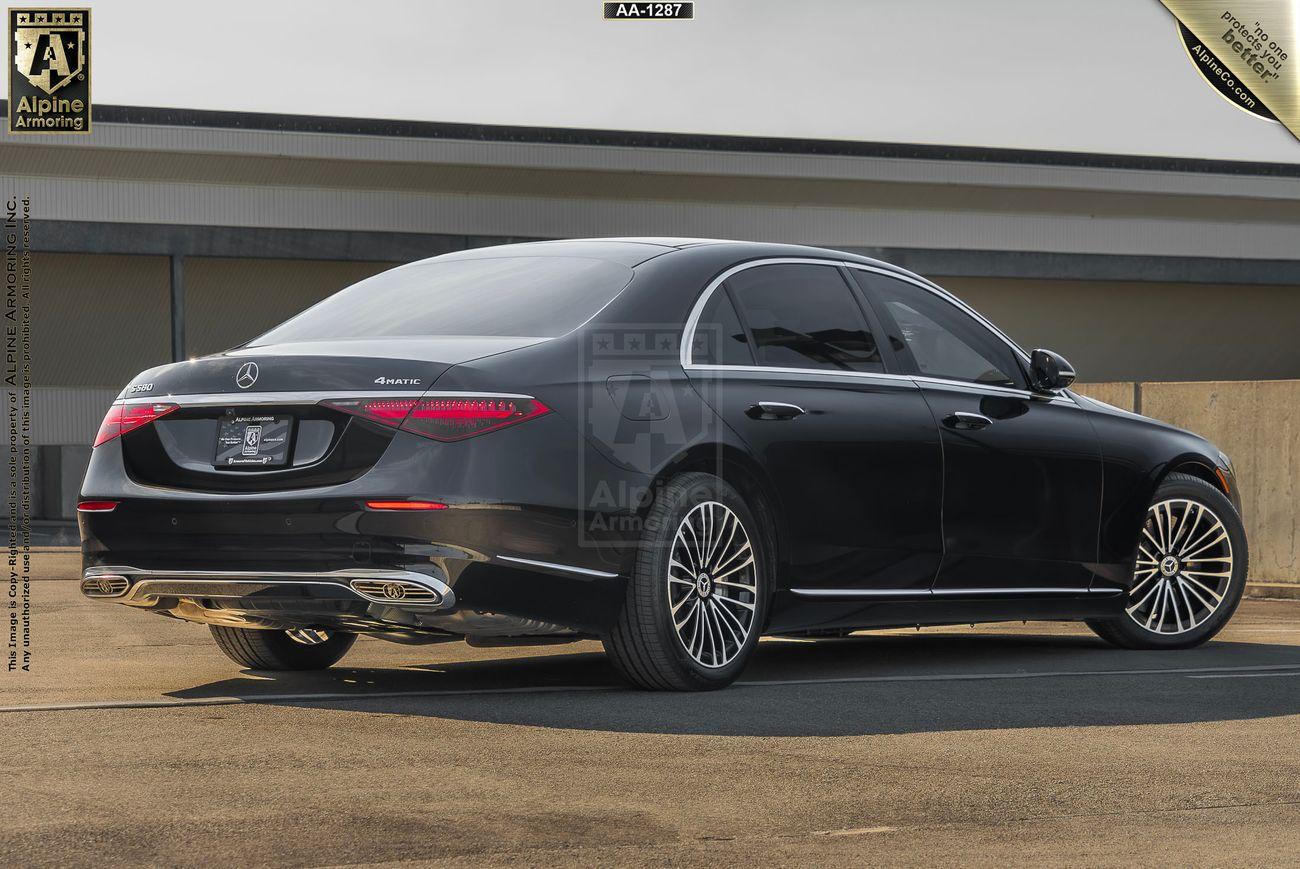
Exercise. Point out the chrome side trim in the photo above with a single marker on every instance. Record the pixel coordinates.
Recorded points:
(241, 399)
(339, 579)
(860, 592)
(848, 593)
(567, 568)
(959, 592)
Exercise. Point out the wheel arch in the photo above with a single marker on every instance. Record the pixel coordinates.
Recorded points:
(1199, 467)
(746, 475)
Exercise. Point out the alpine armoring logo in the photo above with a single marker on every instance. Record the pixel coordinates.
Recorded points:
(49, 78)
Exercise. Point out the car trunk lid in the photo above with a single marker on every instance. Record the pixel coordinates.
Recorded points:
(253, 419)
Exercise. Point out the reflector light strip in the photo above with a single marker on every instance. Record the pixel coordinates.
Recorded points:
(96, 506)
(405, 505)
(444, 417)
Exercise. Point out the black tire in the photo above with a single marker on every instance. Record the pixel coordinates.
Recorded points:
(644, 644)
(1123, 631)
(259, 649)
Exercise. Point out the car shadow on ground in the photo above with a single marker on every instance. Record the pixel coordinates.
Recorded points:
(853, 686)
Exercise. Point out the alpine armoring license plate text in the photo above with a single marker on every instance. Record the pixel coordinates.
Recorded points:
(253, 441)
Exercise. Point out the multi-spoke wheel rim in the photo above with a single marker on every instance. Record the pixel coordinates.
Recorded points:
(1184, 567)
(712, 584)
(308, 637)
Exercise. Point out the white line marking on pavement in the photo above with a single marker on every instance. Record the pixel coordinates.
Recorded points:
(1243, 675)
(1263, 630)
(254, 699)
(1042, 674)
(859, 831)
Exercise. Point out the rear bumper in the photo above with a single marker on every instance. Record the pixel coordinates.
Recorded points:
(515, 538)
(400, 604)
(523, 562)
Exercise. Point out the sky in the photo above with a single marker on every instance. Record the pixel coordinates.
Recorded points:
(1106, 76)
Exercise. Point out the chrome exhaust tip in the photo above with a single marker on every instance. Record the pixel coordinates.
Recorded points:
(105, 585)
(399, 592)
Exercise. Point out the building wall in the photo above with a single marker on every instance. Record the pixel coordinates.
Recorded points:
(1148, 331)
(1258, 425)
(229, 301)
(98, 320)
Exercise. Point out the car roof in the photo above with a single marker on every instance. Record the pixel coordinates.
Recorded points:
(632, 251)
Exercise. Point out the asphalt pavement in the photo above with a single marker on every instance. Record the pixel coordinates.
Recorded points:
(134, 741)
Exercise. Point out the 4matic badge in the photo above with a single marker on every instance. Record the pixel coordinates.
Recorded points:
(397, 381)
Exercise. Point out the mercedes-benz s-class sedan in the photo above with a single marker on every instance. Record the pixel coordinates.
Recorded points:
(673, 445)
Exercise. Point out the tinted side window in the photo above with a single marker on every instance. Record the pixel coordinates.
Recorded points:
(804, 316)
(944, 340)
(719, 337)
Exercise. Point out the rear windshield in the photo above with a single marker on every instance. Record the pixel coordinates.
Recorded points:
(540, 297)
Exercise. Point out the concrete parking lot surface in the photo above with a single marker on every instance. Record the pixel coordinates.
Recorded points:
(134, 741)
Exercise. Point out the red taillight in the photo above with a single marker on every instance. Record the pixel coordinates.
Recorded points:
(445, 417)
(96, 506)
(122, 418)
(405, 505)
(453, 419)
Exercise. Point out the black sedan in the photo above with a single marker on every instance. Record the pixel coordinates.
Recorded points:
(673, 445)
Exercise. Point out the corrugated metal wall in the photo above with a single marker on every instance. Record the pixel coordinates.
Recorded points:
(97, 321)
(229, 301)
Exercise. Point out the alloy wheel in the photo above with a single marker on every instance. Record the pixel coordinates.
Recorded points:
(1183, 570)
(712, 586)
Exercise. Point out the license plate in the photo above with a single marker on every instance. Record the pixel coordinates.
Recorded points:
(253, 441)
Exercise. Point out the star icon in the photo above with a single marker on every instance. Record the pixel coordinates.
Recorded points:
(665, 344)
(634, 344)
(602, 344)
(27, 45)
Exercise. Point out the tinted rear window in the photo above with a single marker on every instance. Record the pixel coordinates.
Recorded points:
(539, 297)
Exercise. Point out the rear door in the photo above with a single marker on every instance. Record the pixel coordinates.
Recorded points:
(788, 357)
(1022, 471)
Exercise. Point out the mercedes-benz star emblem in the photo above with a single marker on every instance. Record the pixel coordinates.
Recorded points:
(247, 375)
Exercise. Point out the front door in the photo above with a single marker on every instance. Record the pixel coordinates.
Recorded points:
(788, 359)
(1022, 471)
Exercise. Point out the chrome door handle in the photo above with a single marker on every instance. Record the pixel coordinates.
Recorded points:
(966, 421)
(773, 410)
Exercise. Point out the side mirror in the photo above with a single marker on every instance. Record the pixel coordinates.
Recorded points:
(1049, 372)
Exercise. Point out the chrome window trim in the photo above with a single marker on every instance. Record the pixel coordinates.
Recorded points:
(890, 379)
(990, 389)
(242, 399)
(692, 323)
